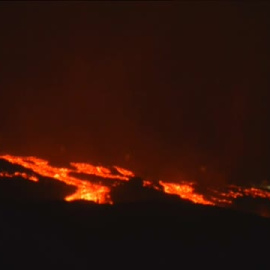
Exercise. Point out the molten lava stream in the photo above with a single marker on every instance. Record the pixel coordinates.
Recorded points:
(85, 190)
(184, 191)
(19, 174)
(101, 193)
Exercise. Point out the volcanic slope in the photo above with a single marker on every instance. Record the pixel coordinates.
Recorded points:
(49, 233)
(78, 234)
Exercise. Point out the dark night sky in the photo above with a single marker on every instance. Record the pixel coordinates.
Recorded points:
(172, 90)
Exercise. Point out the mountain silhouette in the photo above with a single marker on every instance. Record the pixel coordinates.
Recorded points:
(155, 230)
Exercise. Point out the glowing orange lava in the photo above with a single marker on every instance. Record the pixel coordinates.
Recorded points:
(85, 189)
(100, 193)
(185, 191)
(235, 192)
(124, 172)
(19, 174)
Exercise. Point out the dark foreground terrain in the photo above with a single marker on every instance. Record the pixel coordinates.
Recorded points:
(58, 235)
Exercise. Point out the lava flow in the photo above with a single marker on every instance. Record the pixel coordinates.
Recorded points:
(20, 174)
(185, 191)
(100, 192)
(85, 189)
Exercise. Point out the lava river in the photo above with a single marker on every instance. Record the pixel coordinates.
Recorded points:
(100, 193)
